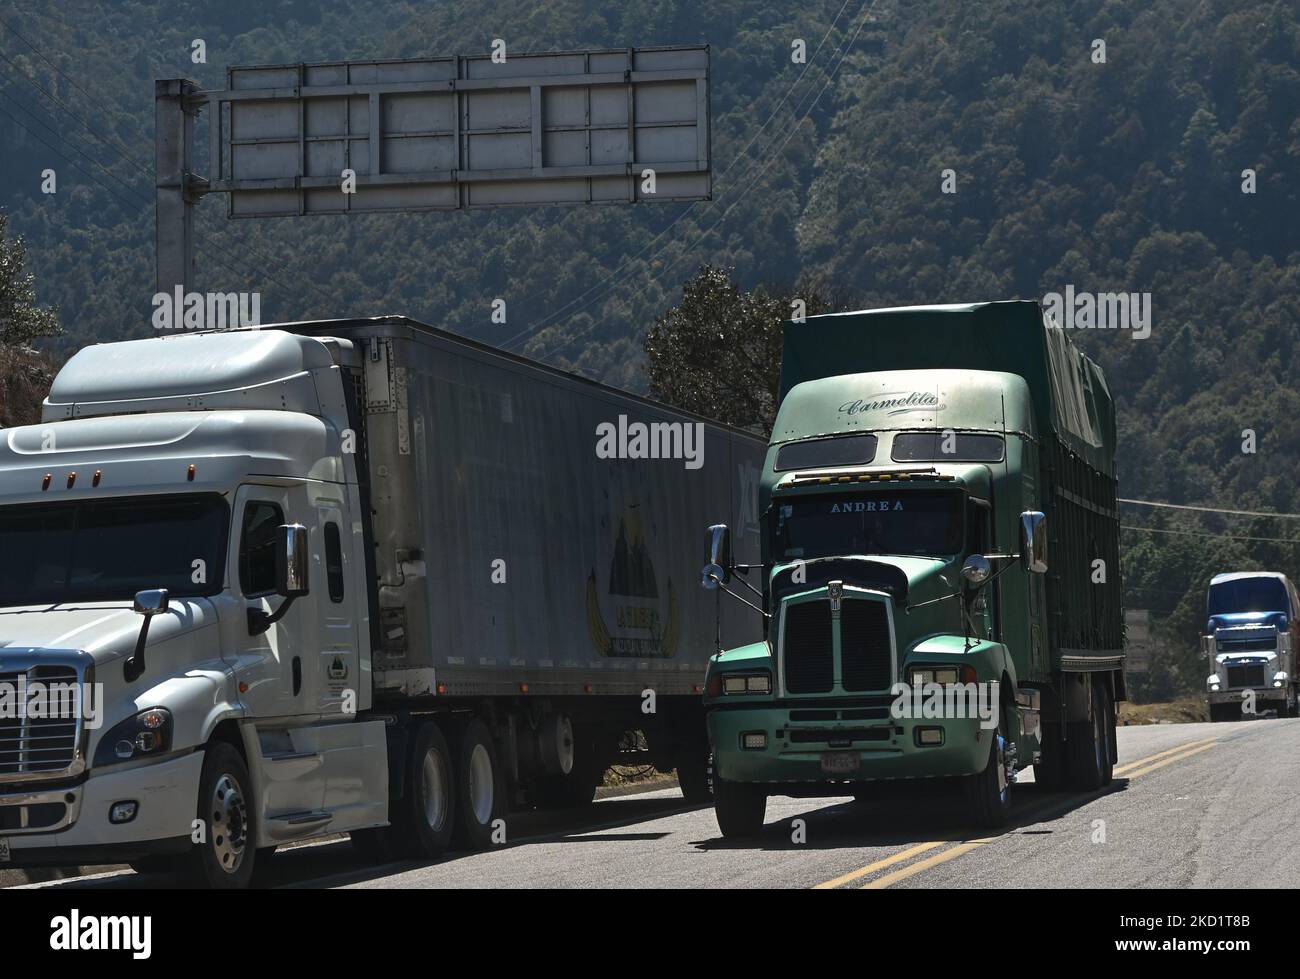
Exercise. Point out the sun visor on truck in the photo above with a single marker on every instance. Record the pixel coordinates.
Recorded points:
(1068, 390)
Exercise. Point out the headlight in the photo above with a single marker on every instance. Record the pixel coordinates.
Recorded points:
(945, 676)
(747, 683)
(147, 733)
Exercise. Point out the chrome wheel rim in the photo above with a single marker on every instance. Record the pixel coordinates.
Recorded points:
(1002, 766)
(229, 829)
(481, 789)
(433, 790)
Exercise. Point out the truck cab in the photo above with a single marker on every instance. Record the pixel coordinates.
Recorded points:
(907, 578)
(183, 555)
(1251, 637)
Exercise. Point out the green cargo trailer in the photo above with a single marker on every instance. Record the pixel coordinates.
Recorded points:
(940, 565)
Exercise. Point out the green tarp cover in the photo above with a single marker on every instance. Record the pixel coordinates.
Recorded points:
(1069, 391)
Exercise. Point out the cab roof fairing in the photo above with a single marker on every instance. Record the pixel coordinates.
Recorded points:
(151, 453)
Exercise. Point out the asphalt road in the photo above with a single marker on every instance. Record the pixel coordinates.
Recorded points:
(1194, 805)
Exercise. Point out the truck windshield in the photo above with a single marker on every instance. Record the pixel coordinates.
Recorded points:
(1247, 595)
(927, 522)
(107, 550)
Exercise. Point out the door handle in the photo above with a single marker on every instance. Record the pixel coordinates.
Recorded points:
(297, 675)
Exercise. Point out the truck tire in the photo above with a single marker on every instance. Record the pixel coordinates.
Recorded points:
(988, 793)
(1225, 712)
(480, 787)
(225, 859)
(578, 788)
(1049, 771)
(739, 808)
(694, 768)
(1088, 747)
(426, 814)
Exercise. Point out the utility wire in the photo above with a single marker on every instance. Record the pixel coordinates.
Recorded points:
(1209, 509)
(17, 122)
(140, 164)
(1198, 533)
(627, 303)
(552, 317)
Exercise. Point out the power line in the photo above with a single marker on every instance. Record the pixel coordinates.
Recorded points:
(552, 317)
(1210, 509)
(766, 166)
(1198, 533)
(17, 122)
(125, 152)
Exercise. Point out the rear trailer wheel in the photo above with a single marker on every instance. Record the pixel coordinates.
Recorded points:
(739, 808)
(1049, 770)
(578, 787)
(1088, 744)
(480, 789)
(225, 858)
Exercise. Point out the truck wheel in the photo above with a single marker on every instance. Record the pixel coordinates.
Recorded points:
(578, 787)
(225, 859)
(1049, 772)
(739, 808)
(988, 793)
(480, 788)
(694, 766)
(1088, 745)
(427, 812)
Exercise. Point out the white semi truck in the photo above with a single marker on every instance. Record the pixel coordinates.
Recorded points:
(1252, 635)
(260, 586)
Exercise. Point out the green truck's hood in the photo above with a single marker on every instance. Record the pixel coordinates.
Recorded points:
(922, 578)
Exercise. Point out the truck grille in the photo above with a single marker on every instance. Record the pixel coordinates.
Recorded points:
(865, 661)
(809, 657)
(38, 746)
(1245, 676)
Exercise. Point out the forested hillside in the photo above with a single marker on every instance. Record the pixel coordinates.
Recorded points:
(1117, 175)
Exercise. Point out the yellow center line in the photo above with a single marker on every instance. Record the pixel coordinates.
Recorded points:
(925, 864)
(1129, 770)
(1166, 761)
(881, 864)
(1128, 766)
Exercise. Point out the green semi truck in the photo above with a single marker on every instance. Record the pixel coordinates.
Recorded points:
(940, 575)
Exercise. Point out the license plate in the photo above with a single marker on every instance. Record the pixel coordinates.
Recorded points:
(4, 850)
(840, 763)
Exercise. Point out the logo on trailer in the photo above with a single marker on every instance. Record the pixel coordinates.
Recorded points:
(644, 624)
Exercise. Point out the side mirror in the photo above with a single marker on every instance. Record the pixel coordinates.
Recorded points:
(152, 602)
(149, 603)
(1033, 542)
(975, 570)
(718, 570)
(291, 556)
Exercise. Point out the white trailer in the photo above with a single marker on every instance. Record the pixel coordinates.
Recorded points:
(352, 576)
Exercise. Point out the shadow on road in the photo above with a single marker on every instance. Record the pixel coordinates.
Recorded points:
(335, 862)
(905, 815)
